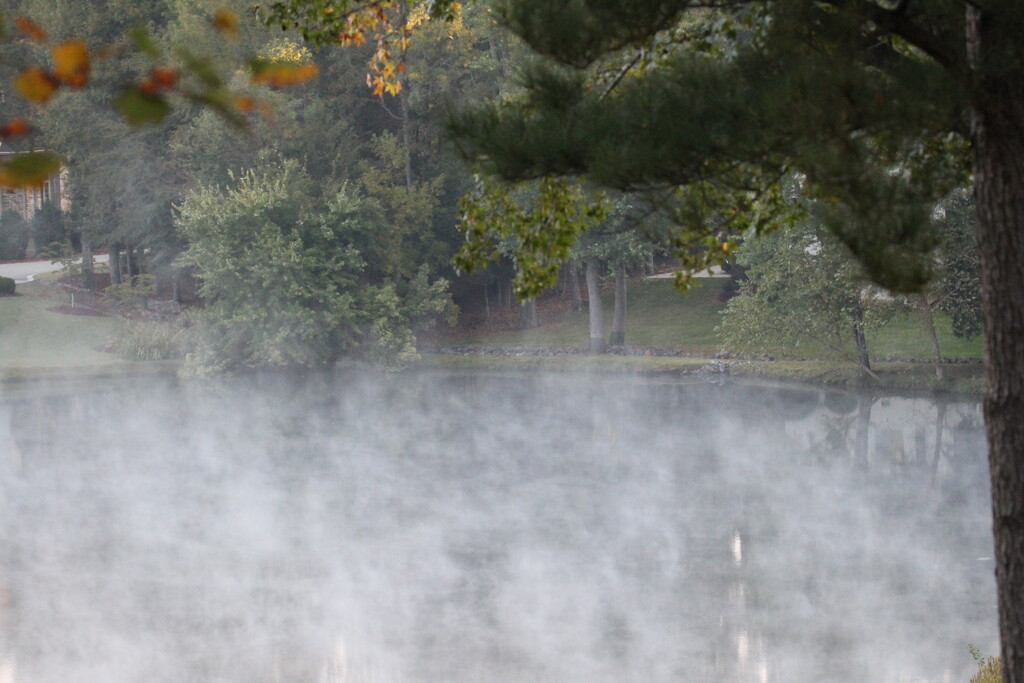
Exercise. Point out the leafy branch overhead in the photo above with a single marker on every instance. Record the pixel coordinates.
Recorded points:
(185, 75)
(537, 228)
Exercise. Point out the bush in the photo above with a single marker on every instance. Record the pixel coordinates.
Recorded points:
(151, 340)
(6, 285)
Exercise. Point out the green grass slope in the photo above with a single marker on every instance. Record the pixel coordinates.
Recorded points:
(33, 339)
(659, 316)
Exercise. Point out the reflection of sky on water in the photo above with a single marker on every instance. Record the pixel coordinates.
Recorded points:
(426, 529)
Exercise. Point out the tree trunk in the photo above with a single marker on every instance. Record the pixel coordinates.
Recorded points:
(528, 314)
(115, 264)
(129, 262)
(929, 323)
(618, 337)
(594, 306)
(88, 269)
(406, 137)
(487, 301)
(574, 283)
(998, 148)
(860, 339)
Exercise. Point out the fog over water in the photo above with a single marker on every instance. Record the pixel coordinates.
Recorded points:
(439, 528)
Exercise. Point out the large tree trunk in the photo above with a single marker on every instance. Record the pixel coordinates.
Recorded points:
(528, 314)
(929, 323)
(594, 306)
(998, 146)
(618, 337)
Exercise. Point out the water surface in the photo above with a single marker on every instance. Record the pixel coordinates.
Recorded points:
(434, 528)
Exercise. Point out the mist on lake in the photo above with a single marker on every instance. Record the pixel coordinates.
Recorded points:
(426, 527)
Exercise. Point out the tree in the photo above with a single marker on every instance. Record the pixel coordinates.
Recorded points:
(801, 286)
(898, 102)
(284, 286)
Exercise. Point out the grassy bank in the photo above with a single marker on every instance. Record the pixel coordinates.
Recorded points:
(659, 316)
(36, 342)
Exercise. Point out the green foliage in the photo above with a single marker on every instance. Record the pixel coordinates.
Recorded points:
(703, 106)
(14, 236)
(959, 264)
(283, 284)
(990, 669)
(7, 285)
(539, 236)
(280, 283)
(802, 288)
(133, 292)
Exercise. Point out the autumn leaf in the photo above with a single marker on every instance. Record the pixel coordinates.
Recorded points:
(138, 106)
(160, 78)
(35, 85)
(281, 74)
(29, 170)
(226, 22)
(14, 128)
(71, 63)
(30, 28)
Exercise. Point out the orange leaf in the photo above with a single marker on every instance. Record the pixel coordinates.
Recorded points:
(14, 128)
(163, 78)
(30, 28)
(226, 22)
(71, 62)
(35, 85)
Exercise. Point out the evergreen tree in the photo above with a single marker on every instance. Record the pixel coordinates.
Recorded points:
(883, 106)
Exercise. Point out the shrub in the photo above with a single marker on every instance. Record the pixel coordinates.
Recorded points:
(151, 340)
(6, 285)
(990, 669)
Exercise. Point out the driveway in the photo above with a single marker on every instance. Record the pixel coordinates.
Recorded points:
(25, 271)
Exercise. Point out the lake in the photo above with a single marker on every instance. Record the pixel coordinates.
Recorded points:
(426, 527)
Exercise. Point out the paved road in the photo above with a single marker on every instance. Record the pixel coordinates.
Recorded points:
(713, 271)
(25, 271)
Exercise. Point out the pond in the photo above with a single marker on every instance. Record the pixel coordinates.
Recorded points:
(426, 527)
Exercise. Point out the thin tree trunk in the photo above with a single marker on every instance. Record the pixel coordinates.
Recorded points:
(860, 339)
(618, 337)
(176, 286)
(574, 283)
(929, 323)
(594, 306)
(88, 266)
(487, 301)
(115, 264)
(406, 137)
(998, 148)
(129, 262)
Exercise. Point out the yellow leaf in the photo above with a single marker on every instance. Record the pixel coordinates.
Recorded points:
(71, 62)
(226, 22)
(393, 87)
(35, 85)
(280, 75)
(378, 86)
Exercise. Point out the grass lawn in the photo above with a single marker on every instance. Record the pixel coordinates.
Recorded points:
(659, 316)
(33, 339)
